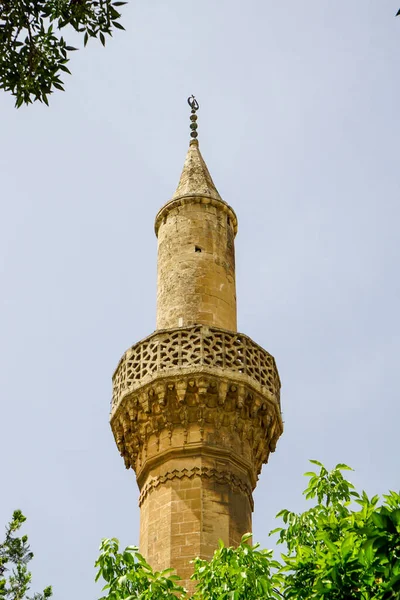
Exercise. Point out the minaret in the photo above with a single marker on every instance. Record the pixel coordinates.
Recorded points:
(195, 410)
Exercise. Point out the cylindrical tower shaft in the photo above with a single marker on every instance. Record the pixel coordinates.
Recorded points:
(196, 255)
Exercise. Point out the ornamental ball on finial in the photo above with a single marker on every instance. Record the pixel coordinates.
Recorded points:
(194, 105)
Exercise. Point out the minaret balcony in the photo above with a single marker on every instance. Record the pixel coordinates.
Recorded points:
(170, 352)
(196, 387)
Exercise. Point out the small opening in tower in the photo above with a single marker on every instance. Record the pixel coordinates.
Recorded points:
(228, 220)
(197, 249)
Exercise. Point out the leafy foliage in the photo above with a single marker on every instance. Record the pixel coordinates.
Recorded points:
(15, 554)
(236, 574)
(336, 551)
(33, 55)
(344, 547)
(128, 575)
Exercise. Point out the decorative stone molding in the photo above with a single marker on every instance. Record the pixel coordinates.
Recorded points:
(214, 410)
(195, 198)
(221, 477)
(197, 347)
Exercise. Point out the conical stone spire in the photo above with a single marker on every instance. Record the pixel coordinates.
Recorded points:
(196, 179)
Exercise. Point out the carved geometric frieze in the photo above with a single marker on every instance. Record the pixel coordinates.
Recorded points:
(236, 484)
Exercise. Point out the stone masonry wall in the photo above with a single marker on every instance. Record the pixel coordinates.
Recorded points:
(196, 505)
(196, 266)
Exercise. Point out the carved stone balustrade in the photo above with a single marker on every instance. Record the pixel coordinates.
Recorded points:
(170, 350)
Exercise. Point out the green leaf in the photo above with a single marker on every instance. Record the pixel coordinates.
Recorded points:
(347, 545)
(396, 516)
(343, 467)
(380, 520)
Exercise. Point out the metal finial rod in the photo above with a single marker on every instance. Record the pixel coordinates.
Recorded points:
(194, 105)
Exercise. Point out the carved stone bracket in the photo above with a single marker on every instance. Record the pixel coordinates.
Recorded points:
(217, 411)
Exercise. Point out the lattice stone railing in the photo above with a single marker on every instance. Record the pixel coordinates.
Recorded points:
(196, 346)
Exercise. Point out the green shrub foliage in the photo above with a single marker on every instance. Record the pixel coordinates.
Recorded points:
(128, 576)
(15, 555)
(345, 546)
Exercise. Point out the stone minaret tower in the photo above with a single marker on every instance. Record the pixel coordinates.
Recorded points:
(195, 410)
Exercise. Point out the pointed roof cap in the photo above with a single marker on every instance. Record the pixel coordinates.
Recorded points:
(195, 184)
(196, 179)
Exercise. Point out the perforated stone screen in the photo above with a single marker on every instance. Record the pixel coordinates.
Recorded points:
(194, 346)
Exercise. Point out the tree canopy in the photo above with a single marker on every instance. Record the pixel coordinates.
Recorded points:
(34, 54)
(15, 554)
(345, 546)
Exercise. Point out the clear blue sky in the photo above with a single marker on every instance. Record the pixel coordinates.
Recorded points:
(299, 125)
